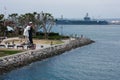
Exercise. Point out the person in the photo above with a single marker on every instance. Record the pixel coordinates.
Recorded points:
(26, 34)
(30, 30)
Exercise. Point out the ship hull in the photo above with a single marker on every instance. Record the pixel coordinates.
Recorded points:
(80, 22)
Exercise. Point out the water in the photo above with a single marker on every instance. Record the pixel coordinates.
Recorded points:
(97, 61)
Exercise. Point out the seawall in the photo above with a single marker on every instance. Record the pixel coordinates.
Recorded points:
(11, 62)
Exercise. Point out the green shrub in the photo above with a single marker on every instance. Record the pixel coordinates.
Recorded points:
(51, 36)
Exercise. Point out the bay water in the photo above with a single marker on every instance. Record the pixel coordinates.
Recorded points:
(97, 61)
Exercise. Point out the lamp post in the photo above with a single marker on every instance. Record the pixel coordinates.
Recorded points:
(5, 10)
(61, 25)
(61, 29)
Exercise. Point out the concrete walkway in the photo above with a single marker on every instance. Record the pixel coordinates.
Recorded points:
(38, 46)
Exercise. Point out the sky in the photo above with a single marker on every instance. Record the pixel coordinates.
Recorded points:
(68, 8)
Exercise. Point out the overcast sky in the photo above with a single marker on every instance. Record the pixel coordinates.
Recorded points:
(67, 8)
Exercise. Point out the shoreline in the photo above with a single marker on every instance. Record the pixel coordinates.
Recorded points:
(12, 62)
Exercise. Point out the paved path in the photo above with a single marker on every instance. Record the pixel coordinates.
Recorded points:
(38, 46)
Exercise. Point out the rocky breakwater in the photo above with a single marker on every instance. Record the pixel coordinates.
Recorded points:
(11, 62)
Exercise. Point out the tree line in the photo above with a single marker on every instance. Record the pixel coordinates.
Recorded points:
(42, 21)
